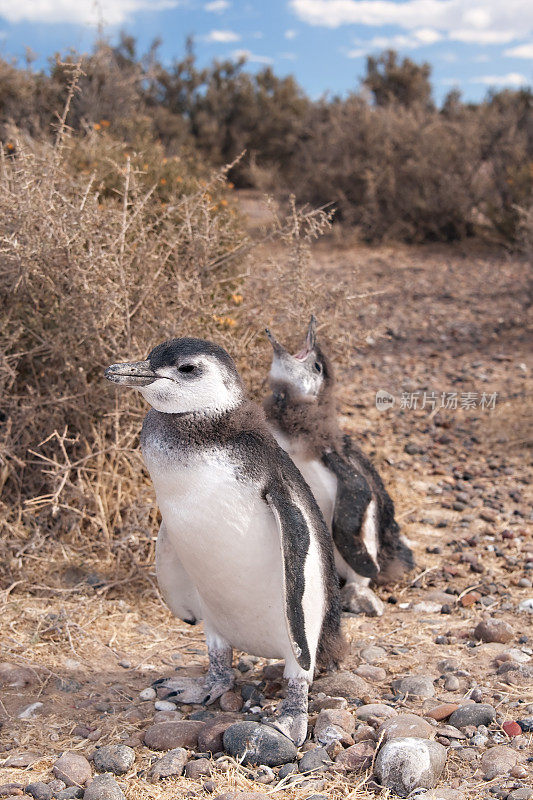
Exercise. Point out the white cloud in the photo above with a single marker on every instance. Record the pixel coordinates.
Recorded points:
(511, 79)
(252, 58)
(81, 12)
(419, 38)
(472, 21)
(223, 37)
(217, 6)
(291, 34)
(521, 51)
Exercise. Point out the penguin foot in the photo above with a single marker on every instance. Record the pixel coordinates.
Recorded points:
(195, 690)
(361, 600)
(294, 727)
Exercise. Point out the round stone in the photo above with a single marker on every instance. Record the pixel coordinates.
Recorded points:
(342, 684)
(38, 790)
(170, 735)
(356, 758)
(103, 787)
(472, 714)
(73, 769)
(172, 763)
(115, 758)
(198, 768)
(314, 760)
(379, 710)
(253, 743)
(414, 685)
(497, 761)
(409, 763)
(405, 726)
(148, 694)
(493, 630)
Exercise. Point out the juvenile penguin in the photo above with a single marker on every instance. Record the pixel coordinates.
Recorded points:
(358, 510)
(243, 544)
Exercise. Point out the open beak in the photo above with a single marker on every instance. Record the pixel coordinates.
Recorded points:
(131, 373)
(310, 340)
(276, 346)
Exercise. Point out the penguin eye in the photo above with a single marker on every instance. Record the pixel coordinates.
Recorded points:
(186, 368)
(318, 367)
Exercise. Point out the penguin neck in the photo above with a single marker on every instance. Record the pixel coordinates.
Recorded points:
(314, 423)
(201, 427)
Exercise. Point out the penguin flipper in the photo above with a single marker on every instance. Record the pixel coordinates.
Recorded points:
(295, 539)
(351, 503)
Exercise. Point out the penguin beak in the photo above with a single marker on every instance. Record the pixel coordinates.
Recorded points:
(131, 373)
(276, 346)
(310, 340)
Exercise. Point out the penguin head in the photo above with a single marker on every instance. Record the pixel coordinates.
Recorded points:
(305, 376)
(183, 376)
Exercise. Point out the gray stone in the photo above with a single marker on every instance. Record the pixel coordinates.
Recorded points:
(373, 653)
(25, 759)
(170, 735)
(379, 710)
(472, 714)
(116, 758)
(56, 786)
(73, 769)
(342, 684)
(39, 790)
(414, 685)
(103, 787)
(524, 793)
(148, 694)
(70, 793)
(287, 769)
(255, 743)
(405, 726)
(493, 630)
(371, 673)
(334, 724)
(451, 683)
(497, 761)
(407, 764)
(172, 763)
(198, 768)
(314, 760)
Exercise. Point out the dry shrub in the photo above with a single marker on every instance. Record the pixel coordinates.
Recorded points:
(99, 264)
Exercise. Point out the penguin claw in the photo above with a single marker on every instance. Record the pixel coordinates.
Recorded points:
(294, 727)
(361, 600)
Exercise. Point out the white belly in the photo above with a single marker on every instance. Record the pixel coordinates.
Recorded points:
(319, 478)
(228, 542)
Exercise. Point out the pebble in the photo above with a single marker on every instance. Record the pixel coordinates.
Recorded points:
(415, 686)
(115, 758)
(342, 684)
(11, 789)
(29, 711)
(524, 793)
(56, 786)
(426, 607)
(73, 769)
(497, 761)
(264, 775)
(472, 714)
(230, 701)
(39, 790)
(371, 673)
(493, 630)
(198, 768)
(167, 716)
(315, 760)
(334, 724)
(373, 653)
(410, 763)
(519, 771)
(442, 711)
(356, 758)
(25, 759)
(287, 769)
(148, 694)
(526, 605)
(103, 787)
(258, 744)
(164, 705)
(512, 729)
(378, 710)
(323, 701)
(210, 737)
(405, 726)
(452, 683)
(172, 763)
(170, 735)
(450, 732)
(526, 724)
(71, 793)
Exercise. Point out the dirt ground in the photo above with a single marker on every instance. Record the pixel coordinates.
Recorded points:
(443, 320)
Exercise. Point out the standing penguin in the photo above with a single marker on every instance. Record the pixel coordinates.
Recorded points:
(243, 544)
(356, 506)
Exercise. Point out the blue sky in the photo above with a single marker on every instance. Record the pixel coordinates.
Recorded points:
(471, 44)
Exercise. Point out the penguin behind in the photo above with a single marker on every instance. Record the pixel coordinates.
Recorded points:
(242, 544)
(301, 412)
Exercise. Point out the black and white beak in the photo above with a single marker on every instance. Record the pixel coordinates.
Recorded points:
(131, 373)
